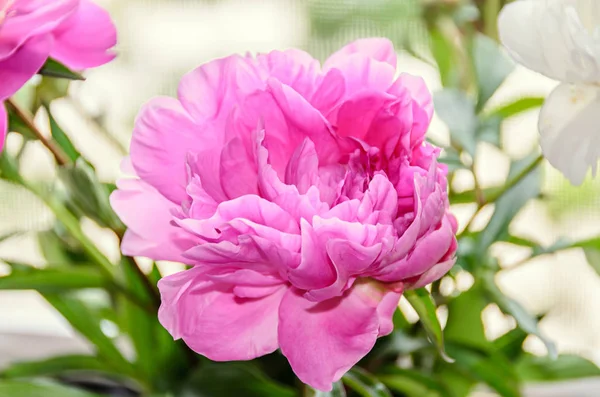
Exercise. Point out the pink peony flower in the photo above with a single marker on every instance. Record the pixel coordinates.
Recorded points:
(303, 196)
(77, 33)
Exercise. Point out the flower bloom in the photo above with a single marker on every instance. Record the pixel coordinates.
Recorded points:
(303, 196)
(560, 39)
(77, 33)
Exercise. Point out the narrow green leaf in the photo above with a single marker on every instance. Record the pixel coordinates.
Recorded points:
(519, 106)
(11, 388)
(510, 344)
(544, 369)
(495, 371)
(61, 138)
(593, 258)
(443, 52)
(85, 321)
(421, 301)
(492, 67)
(365, 384)
(488, 130)
(451, 158)
(53, 280)
(458, 112)
(525, 321)
(53, 68)
(54, 366)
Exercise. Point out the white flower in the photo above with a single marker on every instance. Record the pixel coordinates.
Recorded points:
(561, 39)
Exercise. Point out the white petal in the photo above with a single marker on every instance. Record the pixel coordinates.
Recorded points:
(570, 130)
(553, 37)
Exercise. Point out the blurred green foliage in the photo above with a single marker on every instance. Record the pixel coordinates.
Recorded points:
(423, 359)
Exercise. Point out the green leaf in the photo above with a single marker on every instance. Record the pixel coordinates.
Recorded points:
(53, 280)
(233, 379)
(543, 369)
(9, 168)
(491, 67)
(87, 323)
(10, 388)
(493, 370)
(421, 301)
(54, 366)
(510, 344)
(458, 112)
(53, 68)
(365, 384)
(464, 319)
(410, 383)
(337, 391)
(511, 202)
(88, 194)
(517, 107)
(451, 158)
(489, 130)
(525, 321)
(62, 139)
(443, 52)
(593, 258)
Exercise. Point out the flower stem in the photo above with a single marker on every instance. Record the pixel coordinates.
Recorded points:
(516, 179)
(490, 17)
(27, 119)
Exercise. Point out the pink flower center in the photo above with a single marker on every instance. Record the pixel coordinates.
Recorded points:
(5, 9)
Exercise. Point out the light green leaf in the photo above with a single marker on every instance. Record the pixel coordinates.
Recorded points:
(54, 366)
(365, 384)
(517, 107)
(593, 258)
(464, 324)
(10, 388)
(544, 369)
(458, 112)
(87, 323)
(525, 321)
(53, 280)
(410, 383)
(489, 130)
(421, 301)
(492, 67)
(53, 68)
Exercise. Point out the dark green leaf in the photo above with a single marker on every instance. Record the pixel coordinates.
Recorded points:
(61, 138)
(87, 323)
(464, 318)
(458, 112)
(495, 371)
(456, 383)
(525, 321)
(509, 204)
(365, 384)
(10, 388)
(9, 168)
(542, 369)
(233, 379)
(510, 344)
(53, 68)
(491, 67)
(54, 366)
(53, 280)
(410, 383)
(421, 301)
(451, 158)
(517, 107)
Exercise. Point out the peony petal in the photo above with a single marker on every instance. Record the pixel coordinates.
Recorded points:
(23, 64)
(85, 39)
(569, 133)
(3, 125)
(323, 340)
(238, 175)
(214, 322)
(418, 91)
(294, 68)
(33, 18)
(379, 49)
(550, 38)
(164, 133)
(147, 214)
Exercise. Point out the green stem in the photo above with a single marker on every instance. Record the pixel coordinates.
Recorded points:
(516, 179)
(490, 17)
(151, 289)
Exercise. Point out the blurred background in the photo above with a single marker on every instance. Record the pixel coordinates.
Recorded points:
(159, 40)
